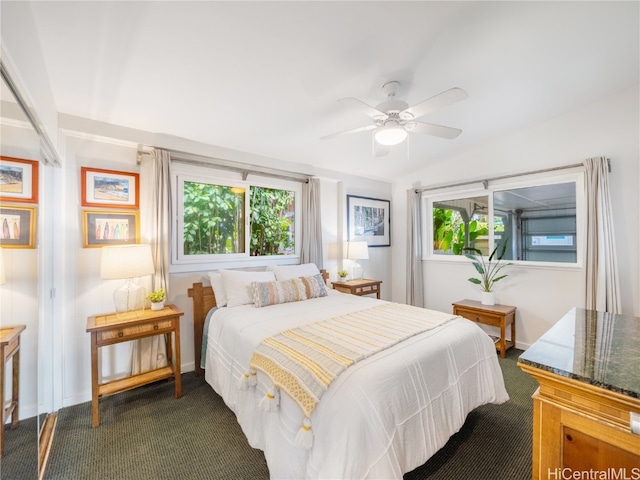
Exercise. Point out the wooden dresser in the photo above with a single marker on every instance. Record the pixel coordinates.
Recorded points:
(586, 411)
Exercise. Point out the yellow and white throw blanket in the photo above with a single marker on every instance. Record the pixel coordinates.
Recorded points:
(304, 361)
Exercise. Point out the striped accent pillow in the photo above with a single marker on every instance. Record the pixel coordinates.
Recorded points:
(285, 291)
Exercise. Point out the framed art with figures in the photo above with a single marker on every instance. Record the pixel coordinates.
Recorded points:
(17, 226)
(101, 228)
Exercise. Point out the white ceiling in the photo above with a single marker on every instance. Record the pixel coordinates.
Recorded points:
(264, 77)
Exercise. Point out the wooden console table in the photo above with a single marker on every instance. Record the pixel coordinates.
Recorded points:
(586, 411)
(495, 315)
(359, 287)
(116, 328)
(10, 346)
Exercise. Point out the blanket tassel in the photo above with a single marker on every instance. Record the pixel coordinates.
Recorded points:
(270, 401)
(248, 379)
(304, 437)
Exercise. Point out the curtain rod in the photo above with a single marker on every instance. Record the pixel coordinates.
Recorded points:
(245, 169)
(485, 182)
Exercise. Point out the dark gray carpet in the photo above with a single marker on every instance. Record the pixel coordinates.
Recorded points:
(20, 458)
(147, 434)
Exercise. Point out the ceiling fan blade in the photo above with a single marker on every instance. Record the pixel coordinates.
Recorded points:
(347, 132)
(379, 150)
(368, 110)
(434, 103)
(432, 129)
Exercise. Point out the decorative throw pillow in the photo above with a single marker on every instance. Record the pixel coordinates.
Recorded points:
(272, 293)
(237, 285)
(285, 291)
(315, 286)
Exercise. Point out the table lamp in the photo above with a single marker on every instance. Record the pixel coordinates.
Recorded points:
(357, 251)
(128, 262)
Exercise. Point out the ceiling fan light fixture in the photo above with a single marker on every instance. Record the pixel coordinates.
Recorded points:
(390, 134)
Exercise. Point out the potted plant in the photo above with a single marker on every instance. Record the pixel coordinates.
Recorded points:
(157, 299)
(343, 274)
(489, 270)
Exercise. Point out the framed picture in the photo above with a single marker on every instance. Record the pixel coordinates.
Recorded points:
(17, 227)
(101, 228)
(18, 180)
(109, 188)
(368, 219)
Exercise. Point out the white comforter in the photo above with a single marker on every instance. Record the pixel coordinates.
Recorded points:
(381, 418)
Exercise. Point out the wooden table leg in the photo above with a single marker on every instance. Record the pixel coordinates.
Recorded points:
(15, 388)
(176, 365)
(2, 370)
(95, 405)
(513, 332)
(503, 347)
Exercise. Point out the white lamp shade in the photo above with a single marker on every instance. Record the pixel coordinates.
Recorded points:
(390, 134)
(3, 278)
(126, 261)
(357, 250)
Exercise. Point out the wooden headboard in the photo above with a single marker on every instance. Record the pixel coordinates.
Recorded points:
(203, 300)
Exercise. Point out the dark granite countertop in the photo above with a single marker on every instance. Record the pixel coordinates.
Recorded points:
(598, 348)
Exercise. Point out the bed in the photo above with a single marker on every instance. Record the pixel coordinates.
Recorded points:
(383, 416)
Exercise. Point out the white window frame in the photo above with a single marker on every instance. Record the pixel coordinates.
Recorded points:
(431, 197)
(189, 263)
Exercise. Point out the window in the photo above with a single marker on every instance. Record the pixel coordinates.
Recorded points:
(223, 220)
(538, 221)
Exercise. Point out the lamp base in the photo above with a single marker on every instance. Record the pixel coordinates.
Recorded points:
(356, 271)
(129, 297)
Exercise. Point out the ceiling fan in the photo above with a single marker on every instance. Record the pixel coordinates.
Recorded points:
(393, 119)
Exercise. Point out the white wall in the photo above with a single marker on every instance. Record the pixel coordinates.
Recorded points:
(606, 128)
(22, 56)
(84, 293)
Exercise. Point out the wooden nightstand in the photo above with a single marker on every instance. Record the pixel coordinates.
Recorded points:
(359, 287)
(115, 328)
(495, 315)
(10, 346)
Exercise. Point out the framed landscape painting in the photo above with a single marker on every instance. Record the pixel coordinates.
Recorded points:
(17, 226)
(18, 180)
(109, 188)
(101, 228)
(368, 219)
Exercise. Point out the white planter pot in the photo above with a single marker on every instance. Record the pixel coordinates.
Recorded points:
(157, 305)
(488, 298)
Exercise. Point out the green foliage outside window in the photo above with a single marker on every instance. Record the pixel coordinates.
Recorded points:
(214, 220)
(449, 231)
(272, 221)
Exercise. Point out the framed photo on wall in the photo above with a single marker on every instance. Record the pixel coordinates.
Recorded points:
(368, 219)
(101, 228)
(17, 227)
(109, 188)
(18, 180)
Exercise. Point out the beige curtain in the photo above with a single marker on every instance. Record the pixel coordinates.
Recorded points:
(415, 287)
(155, 219)
(602, 287)
(311, 223)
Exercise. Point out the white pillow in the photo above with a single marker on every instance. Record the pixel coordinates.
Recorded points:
(237, 285)
(218, 288)
(287, 272)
